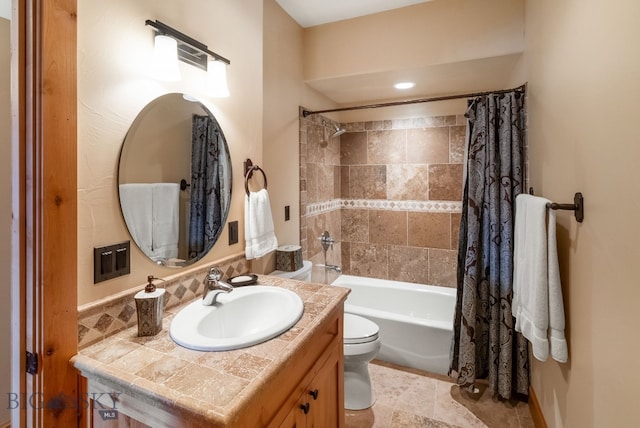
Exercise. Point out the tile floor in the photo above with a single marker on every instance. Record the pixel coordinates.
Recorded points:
(413, 398)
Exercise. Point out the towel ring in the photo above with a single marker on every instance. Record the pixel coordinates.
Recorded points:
(250, 171)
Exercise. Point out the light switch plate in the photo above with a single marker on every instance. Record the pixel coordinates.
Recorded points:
(111, 261)
(233, 232)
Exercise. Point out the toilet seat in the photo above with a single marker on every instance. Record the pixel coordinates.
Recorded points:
(358, 329)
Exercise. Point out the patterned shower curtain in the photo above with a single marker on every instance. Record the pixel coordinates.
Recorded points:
(485, 344)
(206, 215)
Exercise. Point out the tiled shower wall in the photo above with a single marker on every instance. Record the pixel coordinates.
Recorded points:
(401, 191)
(319, 188)
(389, 192)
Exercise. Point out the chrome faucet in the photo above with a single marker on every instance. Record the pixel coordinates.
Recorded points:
(333, 267)
(327, 242)
(213, 286)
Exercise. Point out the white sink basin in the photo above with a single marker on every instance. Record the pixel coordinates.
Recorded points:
(246, 316)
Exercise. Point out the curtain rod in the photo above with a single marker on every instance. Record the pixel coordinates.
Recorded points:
(306, 113)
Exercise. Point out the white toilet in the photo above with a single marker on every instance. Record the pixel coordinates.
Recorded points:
(361, 345)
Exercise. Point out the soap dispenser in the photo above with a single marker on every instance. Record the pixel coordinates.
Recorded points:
(150, 306)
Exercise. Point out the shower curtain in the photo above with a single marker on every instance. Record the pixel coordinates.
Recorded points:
(485, 344)
(206, 215)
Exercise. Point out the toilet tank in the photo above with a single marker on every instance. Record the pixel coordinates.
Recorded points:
(302, 274)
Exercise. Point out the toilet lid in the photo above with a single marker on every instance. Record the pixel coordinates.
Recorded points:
(358, 329)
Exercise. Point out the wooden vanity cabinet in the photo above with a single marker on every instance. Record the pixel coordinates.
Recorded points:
(307, 390)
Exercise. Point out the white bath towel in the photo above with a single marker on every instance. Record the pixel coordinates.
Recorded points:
(165, 220)
(259, 234)
(537, 292)
(136, 200)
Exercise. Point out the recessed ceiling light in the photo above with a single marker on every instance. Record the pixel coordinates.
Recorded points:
(404, 85)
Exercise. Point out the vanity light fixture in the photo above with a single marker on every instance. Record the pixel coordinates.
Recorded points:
(197, 54)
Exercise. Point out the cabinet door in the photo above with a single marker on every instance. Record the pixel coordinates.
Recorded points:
(325, 395)
(321, 405)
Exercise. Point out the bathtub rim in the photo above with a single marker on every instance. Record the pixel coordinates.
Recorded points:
(385, 283)
(379, 283)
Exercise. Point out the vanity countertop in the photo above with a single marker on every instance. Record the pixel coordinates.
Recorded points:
(203, 387)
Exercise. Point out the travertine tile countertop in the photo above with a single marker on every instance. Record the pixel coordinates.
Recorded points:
(202, 387)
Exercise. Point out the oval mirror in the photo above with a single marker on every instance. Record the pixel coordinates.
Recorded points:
(174, 180)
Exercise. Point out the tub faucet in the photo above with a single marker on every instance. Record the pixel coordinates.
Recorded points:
(327, 242)
(333, 267)
(213, 286)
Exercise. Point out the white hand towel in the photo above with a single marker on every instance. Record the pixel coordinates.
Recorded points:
(259, 234)
(537, 292)
(557, 340)
(136, 200)
(166, 220)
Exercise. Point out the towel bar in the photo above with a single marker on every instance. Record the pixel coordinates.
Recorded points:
(577, 206)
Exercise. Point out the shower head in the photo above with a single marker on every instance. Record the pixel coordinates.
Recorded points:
(337, 131)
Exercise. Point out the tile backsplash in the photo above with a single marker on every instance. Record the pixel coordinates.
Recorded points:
(104, 318)
(389, 192)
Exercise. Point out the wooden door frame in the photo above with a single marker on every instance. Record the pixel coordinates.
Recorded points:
(44, 212)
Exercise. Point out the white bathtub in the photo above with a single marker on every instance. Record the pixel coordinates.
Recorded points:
(416, 321)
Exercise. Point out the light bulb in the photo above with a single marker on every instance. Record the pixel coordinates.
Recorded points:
(404, 85)
(217, 79)
(165, 59)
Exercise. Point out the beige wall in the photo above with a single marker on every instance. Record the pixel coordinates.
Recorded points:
(114, 47)
(284, 92)
(430, 33)
(583, 68)
(5, 214)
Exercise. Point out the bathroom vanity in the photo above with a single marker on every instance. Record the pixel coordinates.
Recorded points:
(295, 379)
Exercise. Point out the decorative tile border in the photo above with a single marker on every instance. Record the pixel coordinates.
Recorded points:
(386, 205)
(418, 206)
(323, 207)
(103, 318)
